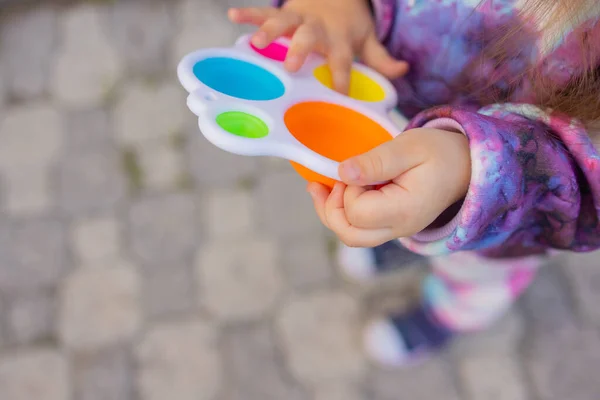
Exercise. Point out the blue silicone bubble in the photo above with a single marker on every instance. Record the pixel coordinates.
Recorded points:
(237, 78)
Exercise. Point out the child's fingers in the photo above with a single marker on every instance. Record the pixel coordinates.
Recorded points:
(376, 56)
(340, 60)
(351, 235)
(252, 16)
(276, 26)
(307, 38)
(383, 163)
(319, 194)
(375, 209)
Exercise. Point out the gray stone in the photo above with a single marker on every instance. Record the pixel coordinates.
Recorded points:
(241, 280)
(100, 307)
(229, 213)
(162, 165)
(87, 67)
(319, 334)
(212, 166)
(431, 380)
(88, 131)
(306, 262)
(3, 313)
(254, 367)
(34, 374)
(566, 365)
(104, 375)
(505, 335)
(546, 304)
(27, 191)
(203, 24)
(90, 183)
(148, 112)
(31, 136)
(142, 32)
(168, 290)
(164, 229)
(493, 377)
(96, 239)
(285, 208)
(32, 318)
(585, 275)
(2, 89)
(179, 361)
(34, 255)
(28, 42)
(340, 391)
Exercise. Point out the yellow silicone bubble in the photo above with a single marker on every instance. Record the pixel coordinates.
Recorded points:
(362, 87)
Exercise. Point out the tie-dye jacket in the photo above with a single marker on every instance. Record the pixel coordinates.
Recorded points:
(535, 174)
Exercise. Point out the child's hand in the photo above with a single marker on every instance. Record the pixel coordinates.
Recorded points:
(429, 170)
(338, 29)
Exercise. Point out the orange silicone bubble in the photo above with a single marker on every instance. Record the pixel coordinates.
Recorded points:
(333, 131)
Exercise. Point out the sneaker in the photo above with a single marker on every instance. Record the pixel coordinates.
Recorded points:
(405, 340)
(364, 264)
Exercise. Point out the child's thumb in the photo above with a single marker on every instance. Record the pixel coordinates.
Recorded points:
(376, 56)
(379, 165)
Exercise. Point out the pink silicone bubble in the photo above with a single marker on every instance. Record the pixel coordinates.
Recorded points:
(274, 51)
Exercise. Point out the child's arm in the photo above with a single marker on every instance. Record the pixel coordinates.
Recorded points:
(535, 183)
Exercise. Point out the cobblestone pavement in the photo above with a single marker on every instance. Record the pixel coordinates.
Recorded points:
(139, 262)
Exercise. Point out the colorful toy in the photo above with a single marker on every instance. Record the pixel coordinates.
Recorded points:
(248, 104)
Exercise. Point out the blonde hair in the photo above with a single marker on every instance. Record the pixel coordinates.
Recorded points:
(579, 96)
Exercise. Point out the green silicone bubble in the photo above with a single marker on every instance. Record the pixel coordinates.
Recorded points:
(242, 124)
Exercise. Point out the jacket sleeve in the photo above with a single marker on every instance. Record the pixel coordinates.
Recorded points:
(535, 184)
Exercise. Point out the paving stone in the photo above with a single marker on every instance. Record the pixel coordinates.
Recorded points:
(90, 183)
(147, 112)
(203, 24)
(88, 131)
(229, 213)
(255, 371)
(142, 32)
(87, 67)
(100, 307)
(493, 377)
(583, 271)
(168, 290)
(276, 163)
(285, 208)
(103, 375)
(31, 318)
(28, 44)
(31, 136)
(34, 255)
(340, 391)
(179, 361)
(214, 167)
(162, 165)
(503, 336)
(3, 89)
(34, 374)
(566, 366)
(96, 239)
(431, 380)
(3, 312)
(306, 262)
(239, 280)
(27, 191)
(318, 334)
(164, 228)
(548, 309)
